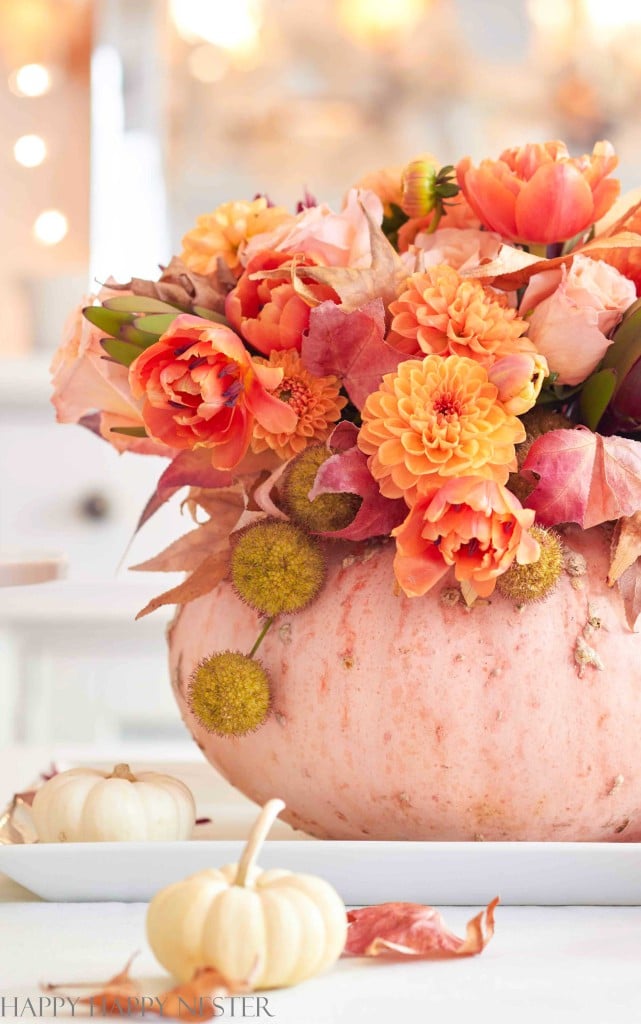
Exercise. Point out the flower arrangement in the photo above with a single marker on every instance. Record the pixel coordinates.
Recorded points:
(451, 363)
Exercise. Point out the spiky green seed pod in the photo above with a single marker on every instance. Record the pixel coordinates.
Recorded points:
(229, 694)
(327, 512)
(525, 583)
(276, 567)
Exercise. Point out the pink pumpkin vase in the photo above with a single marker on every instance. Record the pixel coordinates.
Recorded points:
(420, 719)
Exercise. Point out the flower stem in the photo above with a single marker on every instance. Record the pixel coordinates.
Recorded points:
(261, 636)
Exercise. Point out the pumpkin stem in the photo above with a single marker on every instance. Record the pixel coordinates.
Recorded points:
(257, 837)
(122, 771)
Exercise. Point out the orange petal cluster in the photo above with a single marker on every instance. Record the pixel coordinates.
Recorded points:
(477, 526)
(317, 402)
(538, 193)
(439, 311)
(436, 418)
(223, 233)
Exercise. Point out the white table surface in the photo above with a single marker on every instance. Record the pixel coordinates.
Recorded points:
(550, 964)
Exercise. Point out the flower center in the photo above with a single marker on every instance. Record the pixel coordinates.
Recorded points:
(448, 405)
(296, 393)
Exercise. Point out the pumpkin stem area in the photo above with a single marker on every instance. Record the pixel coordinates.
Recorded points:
(122, 771)
(257, 837)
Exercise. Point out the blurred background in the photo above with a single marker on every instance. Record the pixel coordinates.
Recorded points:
(123, 120)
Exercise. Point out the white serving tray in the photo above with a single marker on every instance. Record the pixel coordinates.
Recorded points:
(451, 874)
(363, 872)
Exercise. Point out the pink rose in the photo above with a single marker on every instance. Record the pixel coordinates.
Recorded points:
(571, 311)
(86, 381)
(459, 248)
(332, 239)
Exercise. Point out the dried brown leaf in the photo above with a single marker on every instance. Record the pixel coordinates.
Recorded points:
(629, 585)
(188, 552)
(626, 546)
(201, 581)
(180, 286)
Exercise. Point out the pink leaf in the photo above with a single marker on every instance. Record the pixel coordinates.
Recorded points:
(585, 478)
(347, 473)
(410, 929)
(351, 346)
(630, 586)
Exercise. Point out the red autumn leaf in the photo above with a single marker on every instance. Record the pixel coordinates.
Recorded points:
(346, 472)
(351, 346)
(584, 478)
(188, 552)
(188, 469)
(410, 929)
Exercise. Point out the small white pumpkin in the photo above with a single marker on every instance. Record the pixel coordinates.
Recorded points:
(275, 927)
(83, 805)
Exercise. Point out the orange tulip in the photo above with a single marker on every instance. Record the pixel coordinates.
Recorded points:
(538, 193)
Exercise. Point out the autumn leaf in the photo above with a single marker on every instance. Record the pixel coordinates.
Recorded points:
(513, 268)
(200, 992)
(413, 930)
(346, 472)
(187, 469)
(180, 286)
(354, 287)
(629, 585)
(120, 995)
(189, 551)
(201, 581)
(351, 346)
(626, 546)
(584, 478)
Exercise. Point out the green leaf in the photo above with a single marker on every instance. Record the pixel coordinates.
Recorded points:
(130, 333)
(625, 349)
(123, 352)
(139, 304)
(129, 431)
(210, 314)
(108, 320)
(157, 323)
(595, 396)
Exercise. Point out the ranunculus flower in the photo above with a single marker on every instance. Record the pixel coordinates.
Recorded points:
(436, 418)
(269, 312)
(538, 193)
(201, 389)
(440, 311)
(573, 311)
(86, 381)
(332, 239)
(519, 378)
(477, 526)
(224, 233)
(460, 248)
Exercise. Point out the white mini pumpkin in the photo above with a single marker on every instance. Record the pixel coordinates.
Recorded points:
(83, 805)
(274, 927)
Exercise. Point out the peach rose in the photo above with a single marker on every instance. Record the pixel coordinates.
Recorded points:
(201, 389)
(571, 312)
(86, 381)
(269, 312)
(477, 526)
(332, 239)
(459, 248)
(538, 193)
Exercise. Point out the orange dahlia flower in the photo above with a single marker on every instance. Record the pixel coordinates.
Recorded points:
(538, 193)
(317, 402)
(437, 418)
(224, 232)
(439, 311)
(268, 311)
(477, 526)
(201, 389)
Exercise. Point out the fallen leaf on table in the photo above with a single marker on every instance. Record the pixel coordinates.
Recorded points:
(414, 930)
(122, 995)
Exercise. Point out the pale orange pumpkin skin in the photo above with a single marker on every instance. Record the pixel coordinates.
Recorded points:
(418, 719)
